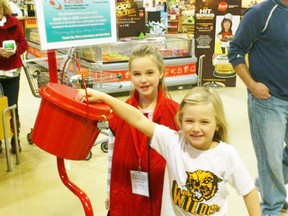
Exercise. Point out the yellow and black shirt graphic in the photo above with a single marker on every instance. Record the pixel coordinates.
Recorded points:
(200, 186)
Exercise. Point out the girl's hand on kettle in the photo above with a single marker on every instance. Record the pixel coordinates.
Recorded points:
(92, 96)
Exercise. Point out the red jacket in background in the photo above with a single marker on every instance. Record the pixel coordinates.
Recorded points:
(12, 31)
(125, 158)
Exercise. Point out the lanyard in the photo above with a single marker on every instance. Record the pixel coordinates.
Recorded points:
(144, 139)
(140, 143)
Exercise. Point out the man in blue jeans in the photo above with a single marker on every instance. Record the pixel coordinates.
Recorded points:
(263, 34)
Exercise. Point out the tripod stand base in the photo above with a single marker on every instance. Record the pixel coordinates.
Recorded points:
(214, 85)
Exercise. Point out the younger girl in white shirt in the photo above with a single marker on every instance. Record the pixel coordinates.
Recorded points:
(199, 162)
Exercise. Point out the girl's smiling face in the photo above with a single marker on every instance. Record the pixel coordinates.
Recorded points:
(199, 125)
(145, 75)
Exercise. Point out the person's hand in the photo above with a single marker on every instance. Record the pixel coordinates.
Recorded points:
(226, 39)
(229, 38)
(107, 202)
(260, 90)
(6, 54)
(93, 96)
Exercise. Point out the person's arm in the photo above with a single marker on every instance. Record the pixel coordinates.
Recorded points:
(248, 31)
(21, 42)
(252, 203)
(128, 113)
(6, 54)
(219, 35)
(259, 90)
(111, 141)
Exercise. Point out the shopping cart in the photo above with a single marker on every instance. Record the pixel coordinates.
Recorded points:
(108, 81)
(37, 73)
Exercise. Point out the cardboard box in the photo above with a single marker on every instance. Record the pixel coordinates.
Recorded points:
(3, 106)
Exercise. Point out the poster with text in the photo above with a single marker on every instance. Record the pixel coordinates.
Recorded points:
(216, 22)
(67, 23)
(130, 19)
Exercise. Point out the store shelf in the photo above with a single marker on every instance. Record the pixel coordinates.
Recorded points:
(186, 19)
(173, 20)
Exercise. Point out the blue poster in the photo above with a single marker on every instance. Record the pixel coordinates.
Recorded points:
(71, 23)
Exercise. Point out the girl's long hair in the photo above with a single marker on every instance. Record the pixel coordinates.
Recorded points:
(204, 95)
(6, 7)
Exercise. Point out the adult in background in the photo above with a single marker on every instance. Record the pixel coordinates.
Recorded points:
(10, 61)
(263, 34)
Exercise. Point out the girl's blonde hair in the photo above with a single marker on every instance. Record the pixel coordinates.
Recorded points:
(203, 95)
(156, 56)
(6, 7)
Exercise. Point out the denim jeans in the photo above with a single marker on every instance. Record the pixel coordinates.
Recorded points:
(269, 130)
(11, 91)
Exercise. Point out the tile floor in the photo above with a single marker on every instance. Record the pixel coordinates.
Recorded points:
(34, 187)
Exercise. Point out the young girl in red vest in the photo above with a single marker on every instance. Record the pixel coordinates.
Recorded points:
(132, 158)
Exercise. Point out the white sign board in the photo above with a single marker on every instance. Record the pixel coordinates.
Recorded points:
(73, 23)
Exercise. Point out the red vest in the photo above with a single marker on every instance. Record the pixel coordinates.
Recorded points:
(126, 153)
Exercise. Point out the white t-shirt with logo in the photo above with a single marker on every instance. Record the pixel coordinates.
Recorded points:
(195, 180)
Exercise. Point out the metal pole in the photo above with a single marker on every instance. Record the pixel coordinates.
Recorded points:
(8, 160)
(60, 161)
(72, 187)
(200, 70)
(52, 64)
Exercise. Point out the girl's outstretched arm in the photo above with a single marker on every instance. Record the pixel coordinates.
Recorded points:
(128, 113)
(252, 203)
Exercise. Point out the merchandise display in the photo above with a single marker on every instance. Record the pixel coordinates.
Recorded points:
(171, 47)
(107, 64)
(223, 68)
(111, 61)
(172, 23)
(186, 19)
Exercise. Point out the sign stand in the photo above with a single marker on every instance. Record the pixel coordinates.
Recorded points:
(57, 29)
(60, 161)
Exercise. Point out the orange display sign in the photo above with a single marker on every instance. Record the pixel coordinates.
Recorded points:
(180, 70)
(124, 75)
(111, 76)
(30, 23)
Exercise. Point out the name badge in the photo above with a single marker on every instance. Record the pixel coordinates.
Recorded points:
(139, 182)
